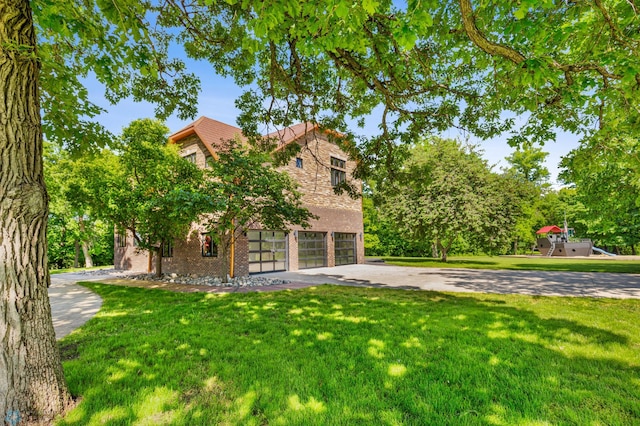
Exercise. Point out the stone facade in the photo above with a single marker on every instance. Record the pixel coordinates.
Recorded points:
(338, 214)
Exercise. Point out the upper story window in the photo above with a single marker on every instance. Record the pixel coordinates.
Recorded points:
(208, 162)
(190, 158)
(299, 162)
(121, 240)
(336, 162)
(338, 172)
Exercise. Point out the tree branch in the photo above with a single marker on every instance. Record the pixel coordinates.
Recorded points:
(481, 41)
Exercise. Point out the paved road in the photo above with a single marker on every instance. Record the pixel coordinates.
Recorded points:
(545, 283)
(73, 305)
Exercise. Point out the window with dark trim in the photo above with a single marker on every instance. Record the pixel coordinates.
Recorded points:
(121, 240)
(299, 162)
(209, 247)
(136, 240)
(338, 173)
(167, 249)
(190, 158)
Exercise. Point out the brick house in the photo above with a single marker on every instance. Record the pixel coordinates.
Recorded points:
(335, 238)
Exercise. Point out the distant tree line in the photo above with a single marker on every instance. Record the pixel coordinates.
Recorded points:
(447, 200)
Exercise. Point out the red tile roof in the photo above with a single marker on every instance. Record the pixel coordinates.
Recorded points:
(213, 134)
(291, 133)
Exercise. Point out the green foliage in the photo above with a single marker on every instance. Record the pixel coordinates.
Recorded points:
(72, 222)
(245, 189)
(527, 165)
(606, 177)
(446, 195)
(383, 238)
(148, 190)
(115, 43)
(428, 66)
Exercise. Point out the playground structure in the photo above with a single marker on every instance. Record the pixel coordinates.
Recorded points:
(554, 241)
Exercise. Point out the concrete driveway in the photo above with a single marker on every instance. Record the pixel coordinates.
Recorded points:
(73, 305)
(543, 283)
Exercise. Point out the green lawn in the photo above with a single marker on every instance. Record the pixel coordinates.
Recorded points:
(333, 355)
(522, 263)
(93, 268)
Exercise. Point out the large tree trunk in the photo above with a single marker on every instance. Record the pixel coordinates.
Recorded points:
(443, 250)
(76, 257)
(32, 385)
(88, 261)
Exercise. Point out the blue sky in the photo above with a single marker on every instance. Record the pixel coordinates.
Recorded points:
(217, 101)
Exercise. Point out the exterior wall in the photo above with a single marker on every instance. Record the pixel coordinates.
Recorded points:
(336, 213)
(314, 177)
(129, 257)
(330, 220)
(188, 259)
(192, 145)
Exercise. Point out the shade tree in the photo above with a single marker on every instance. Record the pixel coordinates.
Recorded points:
(430, 66)
(246, 190)
(445, 192)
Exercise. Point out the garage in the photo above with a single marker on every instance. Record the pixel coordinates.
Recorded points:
(312, 250)
(267, 251)
(345, 248)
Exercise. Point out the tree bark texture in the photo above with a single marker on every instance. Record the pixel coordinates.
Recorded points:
(76, 257)
(32, 385)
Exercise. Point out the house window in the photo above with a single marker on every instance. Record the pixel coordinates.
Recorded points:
(299, 163)
(338, 174)
(208, 162)
(136, 240)
(121, 240)
(209, 248)
(190, 158)
(167, 249)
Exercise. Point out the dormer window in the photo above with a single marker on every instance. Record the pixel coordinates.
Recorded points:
(338, 172)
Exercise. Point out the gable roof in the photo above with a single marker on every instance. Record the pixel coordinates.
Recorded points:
(546, 229)
(213, 134)
(292, 133)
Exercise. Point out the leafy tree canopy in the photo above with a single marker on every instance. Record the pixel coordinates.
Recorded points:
(445, 192)
(147, 190)
(430, 65)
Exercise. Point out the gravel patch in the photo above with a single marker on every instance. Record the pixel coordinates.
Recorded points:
(205, 280)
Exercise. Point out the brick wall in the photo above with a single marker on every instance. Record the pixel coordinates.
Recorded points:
(129, 257)
(314, 177)
(188, 259)
(337, 213)
(330, 220)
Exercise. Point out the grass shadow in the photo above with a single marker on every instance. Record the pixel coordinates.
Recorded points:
(345, 355)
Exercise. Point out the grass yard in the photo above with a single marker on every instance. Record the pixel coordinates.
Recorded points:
(93, 268)
(332, 355)
(522, 263)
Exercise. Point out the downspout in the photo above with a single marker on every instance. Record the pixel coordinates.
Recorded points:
(232, 255)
